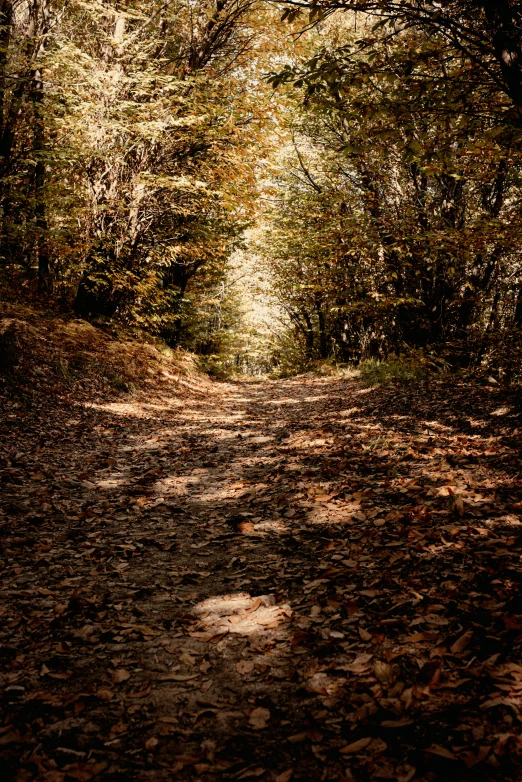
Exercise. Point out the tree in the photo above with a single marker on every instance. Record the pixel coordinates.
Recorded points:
(161, 150)
(413, 187)
(129, 141)
(25, 34)
(487, 33)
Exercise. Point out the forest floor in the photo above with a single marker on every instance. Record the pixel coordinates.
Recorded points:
(302, 579)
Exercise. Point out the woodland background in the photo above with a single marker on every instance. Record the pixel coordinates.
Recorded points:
(269, 579)
(269, 186)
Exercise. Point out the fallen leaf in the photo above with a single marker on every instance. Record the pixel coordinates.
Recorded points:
(245, 666)
(214, 639)
(453, 685)
(83, 772)
(259, 718)
(442, 752)
(472, 759)
(177, 677)
(297, 738)
(143, 629)
(11, 737)
(435, 619)
(417, 638)
(248, 773)
(359, 665)
(355, 746)
(397, 723)
(461, 643)
(409, 773)
(119, 728)
(119, 675)
(105, 694)
(142, 693)
(458, 506)
(285, 776)
(492, 702)
(384, 673)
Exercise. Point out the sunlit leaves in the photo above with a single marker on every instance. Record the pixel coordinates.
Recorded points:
(416, 223)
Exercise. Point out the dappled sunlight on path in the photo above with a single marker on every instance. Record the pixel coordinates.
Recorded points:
(304, 578)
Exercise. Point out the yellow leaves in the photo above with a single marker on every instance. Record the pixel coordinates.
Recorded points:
(384, 673)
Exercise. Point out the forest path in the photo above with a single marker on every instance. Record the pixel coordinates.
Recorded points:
(303, 579)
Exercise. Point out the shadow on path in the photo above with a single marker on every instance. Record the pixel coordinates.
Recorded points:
(302, 580)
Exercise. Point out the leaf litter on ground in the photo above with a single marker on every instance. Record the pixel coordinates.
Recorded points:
(348, 592)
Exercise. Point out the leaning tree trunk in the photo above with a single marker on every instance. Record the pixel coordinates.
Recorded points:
(45, 281)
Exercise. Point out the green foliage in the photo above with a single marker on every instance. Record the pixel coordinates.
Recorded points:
(129, 179)
(137, 140)
(396, 208)
(406, 368)
(486, 33)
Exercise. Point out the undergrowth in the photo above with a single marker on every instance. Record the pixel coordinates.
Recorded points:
(411, 367)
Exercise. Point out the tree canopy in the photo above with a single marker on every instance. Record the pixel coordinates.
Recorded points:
(366, 153)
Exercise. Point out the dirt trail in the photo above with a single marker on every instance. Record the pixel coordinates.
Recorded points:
(298, 580)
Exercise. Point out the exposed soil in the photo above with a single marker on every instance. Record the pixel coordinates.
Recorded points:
(301, 579)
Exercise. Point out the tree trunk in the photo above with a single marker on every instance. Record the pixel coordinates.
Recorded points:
(323, 344)
(45, 282)
(176, 337)
(506, 40)
(517, 320)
